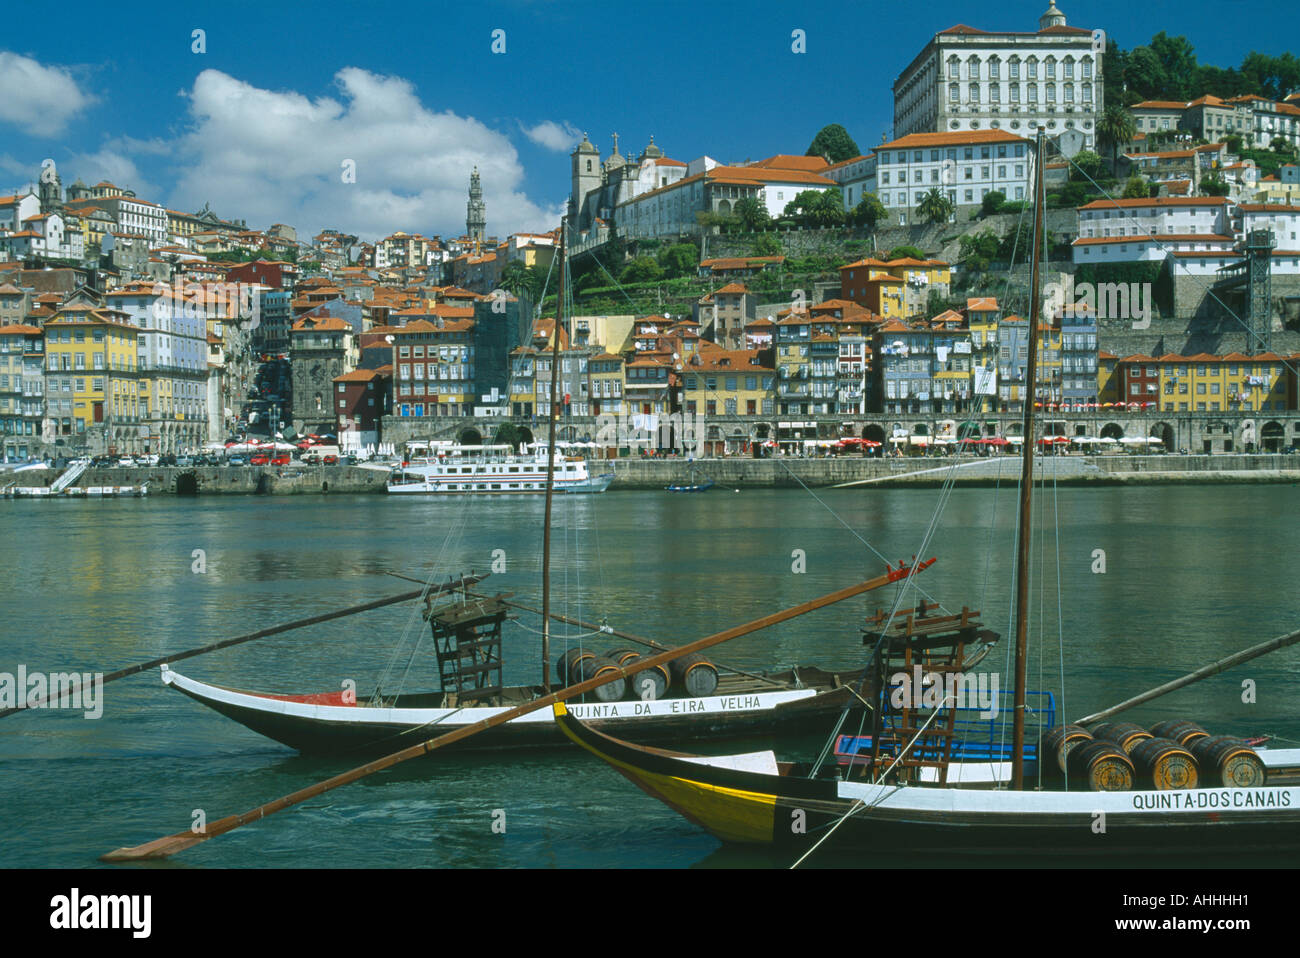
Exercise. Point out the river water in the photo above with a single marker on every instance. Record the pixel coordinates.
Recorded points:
(1190, 574)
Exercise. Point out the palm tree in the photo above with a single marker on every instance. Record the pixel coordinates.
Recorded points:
(935, 207)
(752, 214)
(1115, 127)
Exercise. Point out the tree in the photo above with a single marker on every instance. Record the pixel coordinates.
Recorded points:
(1135, 188)
(1234, 143)
(977, 251)
(1087, 166)
(643, 269)
(765, 244)
(868, 212)
(992, 200)
(1116, 127)
(935, 207)
(1280, 144)
(906, 252)
(514, 277)
(1214, 185)
(508, 434)
(1178, 62)
(817, 208)
(680, 259)
(752, 214)
(834, 143)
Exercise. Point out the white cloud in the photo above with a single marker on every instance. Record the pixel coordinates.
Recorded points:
(110, 164)
(38, 99)
(553, 136)
(277, 156)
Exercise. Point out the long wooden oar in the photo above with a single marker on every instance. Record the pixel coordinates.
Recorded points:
(1214, 668)
(608, 630)
(459, 584)
(171, 844)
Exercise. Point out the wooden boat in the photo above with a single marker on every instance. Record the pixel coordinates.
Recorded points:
(467, 639)
(691, 485)
(334, 723)
(915, 796)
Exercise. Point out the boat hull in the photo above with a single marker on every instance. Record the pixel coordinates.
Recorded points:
(324, 725)
(744, 806)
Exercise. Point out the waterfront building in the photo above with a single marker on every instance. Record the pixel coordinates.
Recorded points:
(1107, 378)
(793, 336)
(321, 349)
(22, 389)
(433, 364)
(361, 400)
(1233, 382)
(971, 80)
(902, 375)
(1077, 328)
(608, 384)
(92, 379)
(727, 383)
(982, 317)
(1148, 230)
(172, 360)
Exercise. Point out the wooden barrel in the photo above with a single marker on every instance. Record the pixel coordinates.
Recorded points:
(589, 667)
(1123, 734)
(1059, 740)
(1179, 730)
(658, 677)
(1229, 761)
(1104, 766)
(696, 674)
(565, 664)
(1164, 764)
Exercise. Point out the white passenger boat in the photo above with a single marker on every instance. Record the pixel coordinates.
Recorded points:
(500, 470)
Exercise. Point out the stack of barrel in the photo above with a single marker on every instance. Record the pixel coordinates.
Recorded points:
(694, 674)
(1174, 754)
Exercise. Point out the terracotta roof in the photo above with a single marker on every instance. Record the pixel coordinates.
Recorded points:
(732, 288)
(1268, 208)
(358, 376)
(328, 324)
(788, 161)
(954, 138)
(1156, 201)
(20, 329)
(981, 303)
(1159, 105)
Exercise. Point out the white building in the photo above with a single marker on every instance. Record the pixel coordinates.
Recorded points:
(966, 166)
(45, 234)
(16, 208)
(856, 178)
(969, 79)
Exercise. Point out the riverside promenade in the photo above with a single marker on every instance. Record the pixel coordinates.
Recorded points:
(851, 472)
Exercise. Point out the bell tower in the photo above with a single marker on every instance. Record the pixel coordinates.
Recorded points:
(475, 210)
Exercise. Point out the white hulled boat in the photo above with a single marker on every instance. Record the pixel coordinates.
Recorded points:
(487, 470)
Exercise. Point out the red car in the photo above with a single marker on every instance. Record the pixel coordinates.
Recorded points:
(261, 459)
(281, 460)
(331, 460)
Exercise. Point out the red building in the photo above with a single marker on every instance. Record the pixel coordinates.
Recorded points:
(273, 273)
(361, 399)
(1139, 379)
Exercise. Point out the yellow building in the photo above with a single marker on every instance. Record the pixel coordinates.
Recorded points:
(895, 288)
(1107, 379)
(982, 319)
(727, 383)
(1230, 383)
(608, 383)
(92, 379)
(1049, 363)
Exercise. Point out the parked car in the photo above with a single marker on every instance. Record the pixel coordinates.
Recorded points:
(283, 459)
(331, 460)
(183, 461)
(126, 461)
(236, 461)
(261, 459)
(311, 459)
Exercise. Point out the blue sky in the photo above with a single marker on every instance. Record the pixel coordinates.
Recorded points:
(261, 124)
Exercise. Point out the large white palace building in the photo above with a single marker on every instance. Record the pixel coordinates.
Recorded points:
(969, 79)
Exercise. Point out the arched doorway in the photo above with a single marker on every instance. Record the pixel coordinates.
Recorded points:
(968, 430)
(526, 435)
(874, 431)
(1165, 433)
(1112, 430)
(471, 437)
(1271, 436)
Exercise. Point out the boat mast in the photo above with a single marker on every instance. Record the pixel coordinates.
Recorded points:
(550, 473)
(1027, 482)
